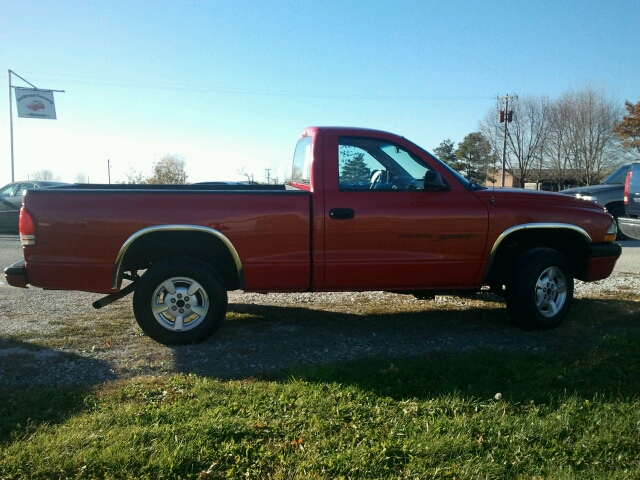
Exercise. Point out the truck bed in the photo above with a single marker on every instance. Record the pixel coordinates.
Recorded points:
(269, 226)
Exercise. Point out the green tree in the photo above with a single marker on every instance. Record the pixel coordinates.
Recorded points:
(169, 170)
(628, 130)
(446, 152)
(355, 170)
(474, 153)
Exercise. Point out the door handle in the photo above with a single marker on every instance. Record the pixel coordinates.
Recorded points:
(341, 213)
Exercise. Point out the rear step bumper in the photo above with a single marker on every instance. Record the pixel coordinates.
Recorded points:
(17, 274)
(630, 227)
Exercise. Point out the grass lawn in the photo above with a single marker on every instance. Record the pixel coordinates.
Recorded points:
(481, 414)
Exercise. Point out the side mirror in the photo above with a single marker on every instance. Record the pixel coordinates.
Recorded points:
(433, 182)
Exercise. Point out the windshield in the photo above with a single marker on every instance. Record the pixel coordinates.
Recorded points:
(618, 177)
(469, 185)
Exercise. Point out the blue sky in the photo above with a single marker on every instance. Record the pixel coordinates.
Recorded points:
(230, 84)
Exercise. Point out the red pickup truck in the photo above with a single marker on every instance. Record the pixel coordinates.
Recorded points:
(364, 210)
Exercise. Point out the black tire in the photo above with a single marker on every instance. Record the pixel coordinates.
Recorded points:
(194, 295)
(540, 292)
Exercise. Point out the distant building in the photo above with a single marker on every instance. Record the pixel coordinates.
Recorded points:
(545, 179)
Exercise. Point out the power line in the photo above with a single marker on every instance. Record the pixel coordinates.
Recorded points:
(120, 83)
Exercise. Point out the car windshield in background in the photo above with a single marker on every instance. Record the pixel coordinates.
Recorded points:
(618, 177)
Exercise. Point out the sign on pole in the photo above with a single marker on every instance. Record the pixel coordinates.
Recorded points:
(34, 103)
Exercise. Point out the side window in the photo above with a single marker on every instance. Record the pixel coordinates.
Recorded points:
(375, 164)
(619, 176)
(356, 167)
(302, 161)
(23, 187)
(634, 184)
(7, 191)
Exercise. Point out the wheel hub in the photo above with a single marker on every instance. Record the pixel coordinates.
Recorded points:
(180, 303)
(551, 292)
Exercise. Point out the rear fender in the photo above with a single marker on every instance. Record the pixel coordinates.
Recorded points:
(167, 230)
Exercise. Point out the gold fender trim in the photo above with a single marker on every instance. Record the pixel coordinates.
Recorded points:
(116, 278)
(529, 226)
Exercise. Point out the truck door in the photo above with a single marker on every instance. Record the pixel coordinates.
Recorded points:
(384, 230)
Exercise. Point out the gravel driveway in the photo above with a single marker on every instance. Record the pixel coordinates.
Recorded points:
(57, 338)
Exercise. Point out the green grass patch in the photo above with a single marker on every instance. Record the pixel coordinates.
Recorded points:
(574, 414)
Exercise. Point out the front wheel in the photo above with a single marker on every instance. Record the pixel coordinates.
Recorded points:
(541, 290)
(180, 300)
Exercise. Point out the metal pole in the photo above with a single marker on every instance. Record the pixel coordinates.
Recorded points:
(11, 126)
(504, 143)
(14, 73)
(11, 72)
(109, 170)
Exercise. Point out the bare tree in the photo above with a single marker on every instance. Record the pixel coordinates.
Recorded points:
(595, 149)
(557, 148)
(133, 177)
(169, 170)
(80, 178)
(493, 131)
(525, 134)
(44, 176)
(243, 172)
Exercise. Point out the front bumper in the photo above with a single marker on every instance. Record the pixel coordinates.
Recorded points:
(601, 259)
(630, 227)
(16, 274)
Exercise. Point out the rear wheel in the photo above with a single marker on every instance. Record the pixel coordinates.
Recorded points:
(180, 300)
(541, 290)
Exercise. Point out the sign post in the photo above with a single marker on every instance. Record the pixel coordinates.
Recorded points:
(31, 103)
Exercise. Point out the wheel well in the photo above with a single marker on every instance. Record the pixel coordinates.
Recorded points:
(615, 206)
(570, 243)
(155, 246)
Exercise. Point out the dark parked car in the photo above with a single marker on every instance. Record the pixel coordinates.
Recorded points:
(630, 224)
(11, 200)
(609, 193)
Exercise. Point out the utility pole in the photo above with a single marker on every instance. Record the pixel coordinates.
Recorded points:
(267, 173)
(505, 116)
(109, 170)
